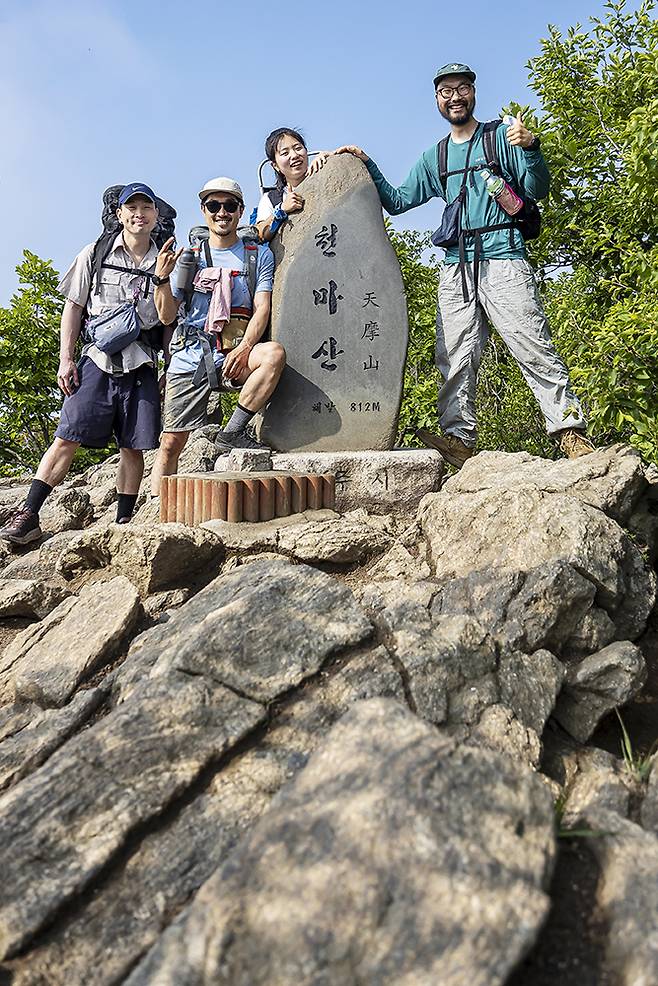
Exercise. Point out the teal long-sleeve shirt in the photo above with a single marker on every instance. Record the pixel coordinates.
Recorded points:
(525, 170)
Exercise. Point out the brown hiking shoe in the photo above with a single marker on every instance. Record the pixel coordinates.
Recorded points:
(574, 443)
(451, 448)
(23, 527)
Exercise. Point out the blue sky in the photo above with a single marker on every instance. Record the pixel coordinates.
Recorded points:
(98, 93)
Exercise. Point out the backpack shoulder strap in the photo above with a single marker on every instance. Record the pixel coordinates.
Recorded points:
(251, 260)
(275, 196)
(101, 250)
(489, 135)
(442, 161)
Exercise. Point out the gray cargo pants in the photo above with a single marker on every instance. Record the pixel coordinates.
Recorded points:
(509, 298)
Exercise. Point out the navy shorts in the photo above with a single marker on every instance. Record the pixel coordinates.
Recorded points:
(125, 407)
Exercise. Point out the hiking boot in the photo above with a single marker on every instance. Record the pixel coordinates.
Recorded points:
(451, 448)
(574, 443)
(23, 527)
(226, 441)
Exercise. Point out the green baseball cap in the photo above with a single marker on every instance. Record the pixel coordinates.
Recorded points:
(454, 68)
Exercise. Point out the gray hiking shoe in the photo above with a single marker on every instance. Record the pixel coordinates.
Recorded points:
(574, 443)
(453, 450)
(226, 441)
(22, 527)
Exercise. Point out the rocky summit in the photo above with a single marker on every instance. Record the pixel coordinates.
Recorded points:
(336, 749)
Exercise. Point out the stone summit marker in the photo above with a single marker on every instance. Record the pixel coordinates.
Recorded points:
(339, 308)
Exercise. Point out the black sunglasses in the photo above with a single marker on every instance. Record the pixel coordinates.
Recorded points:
(214, 205)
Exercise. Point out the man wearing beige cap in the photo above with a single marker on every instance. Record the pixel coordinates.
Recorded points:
(225, 297)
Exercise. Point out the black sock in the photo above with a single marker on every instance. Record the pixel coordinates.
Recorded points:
(239, 419)
(125, 505)
(37, 494)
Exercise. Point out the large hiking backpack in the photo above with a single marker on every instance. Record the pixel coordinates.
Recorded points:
(163, 230)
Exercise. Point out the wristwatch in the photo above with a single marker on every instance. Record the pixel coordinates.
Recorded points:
(534, 145)
(160, 280)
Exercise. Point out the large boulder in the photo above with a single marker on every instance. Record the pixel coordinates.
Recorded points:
(394, 857)
(597, 684)
(47, 661)
(29, 599)
(551, 606)
(66, 510)
(153, 558)
(65, 821)
(611, 479)
(520, 529)
(340, 312)
(260, 630)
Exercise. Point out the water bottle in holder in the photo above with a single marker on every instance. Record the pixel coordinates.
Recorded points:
(187, 267)
(503, 193)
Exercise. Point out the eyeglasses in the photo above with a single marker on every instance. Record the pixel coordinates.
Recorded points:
(461, 90)
(214, 205)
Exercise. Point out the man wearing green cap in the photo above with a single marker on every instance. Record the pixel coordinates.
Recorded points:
(485, 277)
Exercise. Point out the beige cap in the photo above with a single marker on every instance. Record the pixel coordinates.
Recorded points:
(228, 185)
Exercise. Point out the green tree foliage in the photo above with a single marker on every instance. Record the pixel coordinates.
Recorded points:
(419, 274)
(30, 399)
(599, 91)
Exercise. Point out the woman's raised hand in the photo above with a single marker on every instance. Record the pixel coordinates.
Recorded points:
(292, 202)
(318, 162)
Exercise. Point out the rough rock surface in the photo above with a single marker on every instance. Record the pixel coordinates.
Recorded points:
(528, 526)
(153, 558)
(649, 812)
(598, 684)
(341, 314)
(162, 767)
(65, 821)
(29, 598)
(29, 734)
(48, 660)
(366, 870)
(66, 510)
(611, 479)
(627, 891)
(259, 630)
(41, 563)
(101, 942)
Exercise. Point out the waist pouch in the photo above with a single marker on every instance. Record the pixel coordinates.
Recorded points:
(448, 233)
(233, 332)
(114, 330)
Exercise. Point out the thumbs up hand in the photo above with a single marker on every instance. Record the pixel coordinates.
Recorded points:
(518, 134)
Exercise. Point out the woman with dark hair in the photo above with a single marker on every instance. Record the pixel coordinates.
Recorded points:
(286, 149)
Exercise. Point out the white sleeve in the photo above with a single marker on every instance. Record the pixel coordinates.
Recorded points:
(265, 209)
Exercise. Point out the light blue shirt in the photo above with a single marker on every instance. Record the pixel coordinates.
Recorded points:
(186, 360)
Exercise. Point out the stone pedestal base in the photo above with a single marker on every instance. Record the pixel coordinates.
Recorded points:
(233, 496)
(381, 482)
